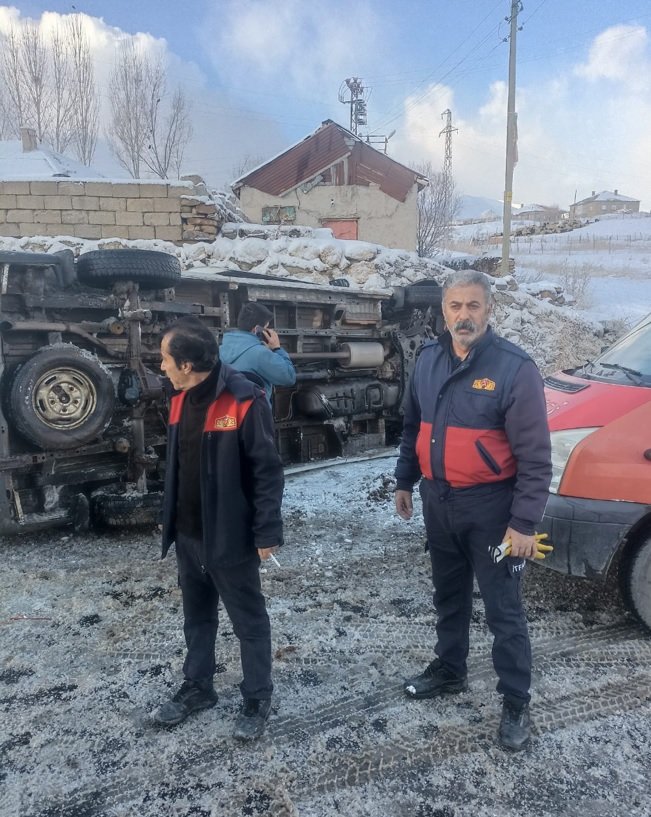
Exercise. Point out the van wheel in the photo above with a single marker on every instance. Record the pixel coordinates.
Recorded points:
(61, 398)
(122, 510)
(637, 582)
(424, 294)
(150, 268)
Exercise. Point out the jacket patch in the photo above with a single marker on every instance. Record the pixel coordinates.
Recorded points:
(484, 384)
(225, 422)
(226, 414)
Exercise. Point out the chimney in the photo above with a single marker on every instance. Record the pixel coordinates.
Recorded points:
(28, 137)
(615, 191)
(593, 192)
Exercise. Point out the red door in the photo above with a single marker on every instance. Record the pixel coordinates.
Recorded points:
(342, 227)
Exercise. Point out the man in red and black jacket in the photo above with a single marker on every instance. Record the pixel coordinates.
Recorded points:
(223, 493)
(475, 430)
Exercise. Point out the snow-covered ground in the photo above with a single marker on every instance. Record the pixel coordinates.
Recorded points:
(607, 262)
(92, 641)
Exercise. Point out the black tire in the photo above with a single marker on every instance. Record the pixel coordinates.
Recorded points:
(61, 398)
(637, 582)
(149, 268)
(423, 294)
(120, 510)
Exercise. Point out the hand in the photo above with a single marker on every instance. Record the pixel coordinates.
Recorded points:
(523, 546)
(404, 504)
(271, 339)
(265, 553)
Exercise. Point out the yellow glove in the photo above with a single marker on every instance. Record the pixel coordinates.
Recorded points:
(498, 552)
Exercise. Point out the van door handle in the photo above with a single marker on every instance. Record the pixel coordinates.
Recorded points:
(647, 454)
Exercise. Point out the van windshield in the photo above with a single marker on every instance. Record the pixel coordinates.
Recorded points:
(629, 360)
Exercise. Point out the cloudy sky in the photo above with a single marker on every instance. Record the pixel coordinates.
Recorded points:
(262, 74)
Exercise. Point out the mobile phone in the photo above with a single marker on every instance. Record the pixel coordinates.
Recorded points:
(259, 333)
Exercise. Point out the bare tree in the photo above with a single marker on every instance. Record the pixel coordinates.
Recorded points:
(127, 132)
(6, 124)
(12, 80)
(49, 85)
(85, 106)
(61, 130)
(168, 132)
(35, 78)
(145, 129)
(438, 205)
(245, 164)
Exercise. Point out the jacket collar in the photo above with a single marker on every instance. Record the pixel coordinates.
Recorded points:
(484, 341)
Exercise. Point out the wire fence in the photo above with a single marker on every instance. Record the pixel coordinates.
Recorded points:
(550, 243)
(540, 244)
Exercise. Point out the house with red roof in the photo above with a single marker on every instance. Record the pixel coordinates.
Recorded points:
(334, 178)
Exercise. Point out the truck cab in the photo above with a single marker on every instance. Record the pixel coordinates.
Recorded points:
(599, 510)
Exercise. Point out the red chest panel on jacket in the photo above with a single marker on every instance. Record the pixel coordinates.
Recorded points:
(176, 407)
(226, 414)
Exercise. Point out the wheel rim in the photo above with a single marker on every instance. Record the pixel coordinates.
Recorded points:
(64, 398)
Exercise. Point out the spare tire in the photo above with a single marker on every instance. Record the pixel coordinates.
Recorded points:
(62, 397)
(126, 510)
(423, 293)
(150, 268)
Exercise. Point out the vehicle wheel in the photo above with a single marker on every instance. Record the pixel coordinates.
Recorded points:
(423, 294)
(121, 510)
(61, 398)
(151, 269)
(637, 582)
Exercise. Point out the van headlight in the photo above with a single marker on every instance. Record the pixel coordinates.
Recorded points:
(563, 443)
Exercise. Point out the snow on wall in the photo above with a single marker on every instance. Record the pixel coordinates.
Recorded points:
(555, 336)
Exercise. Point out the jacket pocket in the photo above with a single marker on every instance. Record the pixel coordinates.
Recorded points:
(487, 458)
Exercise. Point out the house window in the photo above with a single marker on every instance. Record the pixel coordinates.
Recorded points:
(342, 227)
(278, 215)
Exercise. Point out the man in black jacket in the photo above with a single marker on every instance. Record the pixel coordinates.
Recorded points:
(223, 492)
(475, 430)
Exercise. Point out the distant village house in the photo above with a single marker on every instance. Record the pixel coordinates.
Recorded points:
(598, 204)
(538, 213)
(334, 179)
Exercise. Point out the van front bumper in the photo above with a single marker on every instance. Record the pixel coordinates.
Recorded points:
(586, 533)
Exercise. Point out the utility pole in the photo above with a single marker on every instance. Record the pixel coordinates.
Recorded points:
(447, 170)
(353, 92)
(354, 87)
(511, 140)
(448, 131)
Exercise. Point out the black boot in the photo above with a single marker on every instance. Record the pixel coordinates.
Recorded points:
(190, 698)
(253, 716)
(515, 725)
(435, 680)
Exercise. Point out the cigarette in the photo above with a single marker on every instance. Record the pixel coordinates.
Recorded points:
(274, 560)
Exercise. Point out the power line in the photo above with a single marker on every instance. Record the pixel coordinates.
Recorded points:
(440, 65)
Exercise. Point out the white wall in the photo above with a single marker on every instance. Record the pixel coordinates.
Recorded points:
(382, 219)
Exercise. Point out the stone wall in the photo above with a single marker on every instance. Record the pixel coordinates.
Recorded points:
(96, 209)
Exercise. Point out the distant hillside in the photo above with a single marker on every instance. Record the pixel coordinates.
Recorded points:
(477, 206)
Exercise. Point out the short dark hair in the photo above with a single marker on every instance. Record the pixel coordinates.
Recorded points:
(253, 314)
(190, 341)
(467, 278)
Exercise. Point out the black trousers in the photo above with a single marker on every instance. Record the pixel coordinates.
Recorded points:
(461, 525)
(239, 589)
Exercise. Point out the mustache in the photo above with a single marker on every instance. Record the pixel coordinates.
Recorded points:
(468, 325)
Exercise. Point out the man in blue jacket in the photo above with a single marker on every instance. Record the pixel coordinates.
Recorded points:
(476, 436)
(223, 492)
(255, 347)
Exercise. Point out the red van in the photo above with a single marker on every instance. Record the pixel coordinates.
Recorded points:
(599, 503)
